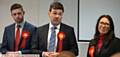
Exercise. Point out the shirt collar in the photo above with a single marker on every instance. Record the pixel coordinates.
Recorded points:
(21, 24)
(50, 26)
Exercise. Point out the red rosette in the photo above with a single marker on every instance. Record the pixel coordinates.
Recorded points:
(61, 36)
(91, 51)
(25, 36)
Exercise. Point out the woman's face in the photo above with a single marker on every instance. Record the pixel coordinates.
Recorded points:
(104, 25)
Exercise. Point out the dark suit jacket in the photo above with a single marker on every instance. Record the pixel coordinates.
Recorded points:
(108, 49)
(69, 42)
(8, 43)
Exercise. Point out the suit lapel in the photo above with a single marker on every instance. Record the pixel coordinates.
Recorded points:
(45, 33)
(24, 28)
(12, 37)
(61, 29)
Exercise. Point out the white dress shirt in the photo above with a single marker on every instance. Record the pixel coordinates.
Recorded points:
(21, 28)
(49, 35)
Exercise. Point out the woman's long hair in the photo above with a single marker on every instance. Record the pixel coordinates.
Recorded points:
(110, 32)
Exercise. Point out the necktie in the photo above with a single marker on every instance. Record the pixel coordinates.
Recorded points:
(17, 40)
(52, 40)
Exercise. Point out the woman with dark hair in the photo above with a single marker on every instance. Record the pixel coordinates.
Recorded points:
(104, 43)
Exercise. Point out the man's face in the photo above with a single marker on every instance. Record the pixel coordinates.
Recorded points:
(18, 15)
(55, 16)
(104, 25)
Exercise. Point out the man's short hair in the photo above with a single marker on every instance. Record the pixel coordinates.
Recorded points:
(56, 5)
(16, 6)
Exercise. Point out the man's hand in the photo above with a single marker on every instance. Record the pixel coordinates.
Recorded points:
(13, 54)
(53, 54)
(50, 54)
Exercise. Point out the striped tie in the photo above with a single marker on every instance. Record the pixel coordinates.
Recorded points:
(52, 40)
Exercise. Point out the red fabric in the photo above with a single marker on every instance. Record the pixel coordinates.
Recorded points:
(91, 51)
(100, 42)
(60, 45)
(17, 40)
(61, 36)
(25, 35)
(23, 43)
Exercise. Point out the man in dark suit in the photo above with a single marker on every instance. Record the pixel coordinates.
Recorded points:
(42, 42)
(17, 36)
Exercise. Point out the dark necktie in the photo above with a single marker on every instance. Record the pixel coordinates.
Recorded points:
(17, 40)
(52, 40)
